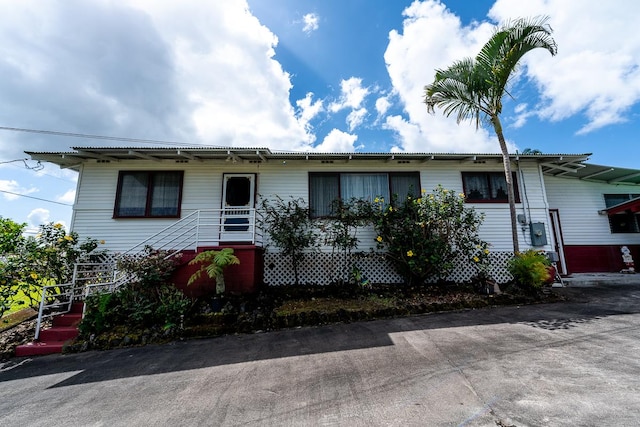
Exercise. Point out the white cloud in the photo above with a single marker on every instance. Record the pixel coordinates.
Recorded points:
(37, 217)
(352, 95)
(337, 141)
(12, 186)
(311, 22)
(69, 197)
(597, 69)
(192, 71)
(356, 118)
(382, 105)
(412, 57)
(308, 109)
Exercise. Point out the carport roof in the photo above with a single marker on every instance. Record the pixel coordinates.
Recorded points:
(598, 173)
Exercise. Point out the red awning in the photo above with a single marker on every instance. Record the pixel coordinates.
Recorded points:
(632, 206)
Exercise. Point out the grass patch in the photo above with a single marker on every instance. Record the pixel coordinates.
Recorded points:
(12, 319)
(332, 305)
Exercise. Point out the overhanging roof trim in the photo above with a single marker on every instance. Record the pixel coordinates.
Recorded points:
(599, 173)
(632, 205)
(264, 154)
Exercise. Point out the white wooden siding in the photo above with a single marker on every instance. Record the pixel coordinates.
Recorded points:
(93, 212)
(578, 203)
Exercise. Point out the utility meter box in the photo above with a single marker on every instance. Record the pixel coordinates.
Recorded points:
(538, 234)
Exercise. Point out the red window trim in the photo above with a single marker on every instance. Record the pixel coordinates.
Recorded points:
(150, 174)
(516, 192)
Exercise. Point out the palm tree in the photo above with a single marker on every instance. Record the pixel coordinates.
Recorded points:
(473, 88)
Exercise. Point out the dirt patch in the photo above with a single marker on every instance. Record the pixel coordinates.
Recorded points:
(16, 335)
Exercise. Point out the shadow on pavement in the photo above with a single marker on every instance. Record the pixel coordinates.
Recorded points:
(584, 306)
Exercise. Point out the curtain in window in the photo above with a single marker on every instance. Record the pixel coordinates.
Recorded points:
(364, 186)
(133, 194)
(323, 190)
(476, 186)
(404, 184)
(166, 194)
(498, 186)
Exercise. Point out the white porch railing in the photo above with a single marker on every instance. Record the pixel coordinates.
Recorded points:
(57, 299)
(206, 227)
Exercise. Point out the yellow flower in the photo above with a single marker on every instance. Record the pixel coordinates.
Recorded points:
(409, 253)
(445, 191)
(60, 240)
(102, 242)
(69, 238)
(423, 191)
(38, 236)
(476, 259)
(390, 208)
(57, 225)
(33, 275)
(379, 238)
(419, 200)
(462, 196)
(486, 251)
(376, 200)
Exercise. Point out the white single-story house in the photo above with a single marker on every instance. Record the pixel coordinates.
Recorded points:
(189, 198)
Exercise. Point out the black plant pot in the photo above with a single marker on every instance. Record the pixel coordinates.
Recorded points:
(216, 304)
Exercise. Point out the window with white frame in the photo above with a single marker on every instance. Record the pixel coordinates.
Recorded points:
(326, 187)
(148, 194)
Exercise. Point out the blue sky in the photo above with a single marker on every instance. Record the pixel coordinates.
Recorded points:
(303, 75)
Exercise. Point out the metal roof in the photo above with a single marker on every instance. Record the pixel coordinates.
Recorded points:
(551, 163)
(597, 173)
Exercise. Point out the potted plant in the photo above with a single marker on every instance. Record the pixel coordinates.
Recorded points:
(214, 263)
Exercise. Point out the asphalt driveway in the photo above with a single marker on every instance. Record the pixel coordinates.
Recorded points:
(565, 364)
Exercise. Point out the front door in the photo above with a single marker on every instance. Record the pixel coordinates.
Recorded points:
(557, 240)
(238, 214)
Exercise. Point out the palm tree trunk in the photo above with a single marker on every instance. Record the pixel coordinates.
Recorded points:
(509, 178)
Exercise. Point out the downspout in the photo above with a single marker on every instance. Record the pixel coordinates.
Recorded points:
(551, 234)
(527, 210)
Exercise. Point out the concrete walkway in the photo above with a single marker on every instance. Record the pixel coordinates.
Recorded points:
(564, 364)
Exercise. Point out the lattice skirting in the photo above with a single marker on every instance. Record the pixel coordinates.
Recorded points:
(324, 268)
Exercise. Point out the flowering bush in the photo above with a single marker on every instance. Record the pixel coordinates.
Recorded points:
(29, 263)
(424, 236)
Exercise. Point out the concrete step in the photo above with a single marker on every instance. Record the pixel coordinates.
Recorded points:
(67, 319)
(39, 348)
(64, 329)
(58, 333)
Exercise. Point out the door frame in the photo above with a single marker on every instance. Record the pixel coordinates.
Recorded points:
(238, 233)
(558, 240)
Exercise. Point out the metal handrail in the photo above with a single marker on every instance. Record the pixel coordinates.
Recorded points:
(203, 226)
(63, 295)
(200, 226)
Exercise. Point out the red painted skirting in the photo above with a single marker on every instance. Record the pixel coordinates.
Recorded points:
(598, 258)
(243, 278)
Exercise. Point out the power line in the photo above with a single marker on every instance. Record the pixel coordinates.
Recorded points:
(36, 198)
(104, 137)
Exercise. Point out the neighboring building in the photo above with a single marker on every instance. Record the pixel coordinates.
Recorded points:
(195, 197)
(594, 212)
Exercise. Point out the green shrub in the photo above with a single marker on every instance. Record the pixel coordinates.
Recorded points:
(425, 236)
(290, 228)
(529, 268)
(150, 300)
